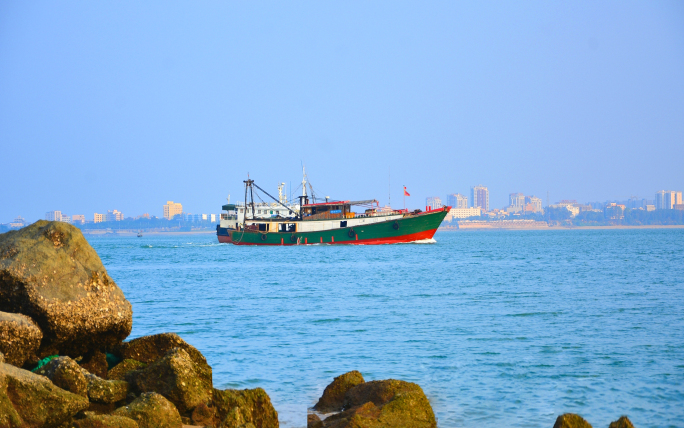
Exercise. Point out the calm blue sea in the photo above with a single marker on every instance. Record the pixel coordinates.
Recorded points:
(506, 328)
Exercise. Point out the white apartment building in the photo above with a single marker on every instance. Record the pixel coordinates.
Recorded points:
(463, 213)
(434, 202)
(570, 207)
(114, 216)
(98, 218)
(53, 216)
(456, 200)
(536, 204)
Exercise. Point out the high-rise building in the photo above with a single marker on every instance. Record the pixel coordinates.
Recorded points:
(78, 218)
(456, 200)
(667, 199)
(114, 216)
(53, 216)
(517, 202)
(98, 218)
(479, 197)
(172, 209)
(534, 204)
(213, 218)
(434, 202)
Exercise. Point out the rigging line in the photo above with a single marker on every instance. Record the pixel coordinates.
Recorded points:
(288, 208)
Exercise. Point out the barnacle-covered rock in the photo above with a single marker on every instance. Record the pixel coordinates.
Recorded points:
(49, 272)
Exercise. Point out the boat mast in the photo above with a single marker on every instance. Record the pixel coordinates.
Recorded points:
(303, 198)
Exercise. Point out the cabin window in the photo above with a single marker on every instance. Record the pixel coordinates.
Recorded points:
(288, 227)
(263, 227)
(343, 223)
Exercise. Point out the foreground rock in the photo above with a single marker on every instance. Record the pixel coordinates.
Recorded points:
(104, 421)
(148, 349)
(571, 420)
(237, 408)
(177, 378)
(380, 404)
(151, 410)
(19, 338)
(623, 422)
(31, 400)
(66, 374)
(49, 272)
(121, 370)
(313, 421)
(332, 399)
(106, 391)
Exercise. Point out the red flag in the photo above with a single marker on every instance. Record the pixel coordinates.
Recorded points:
(405, 192)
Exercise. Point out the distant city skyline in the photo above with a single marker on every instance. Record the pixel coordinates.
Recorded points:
(584, 101)
(518, 202)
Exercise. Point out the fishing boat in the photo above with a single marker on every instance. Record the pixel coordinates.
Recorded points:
(309, 222)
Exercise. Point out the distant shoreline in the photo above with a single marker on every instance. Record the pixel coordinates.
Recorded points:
(454, 229)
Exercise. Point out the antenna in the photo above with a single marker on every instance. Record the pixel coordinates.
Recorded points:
(389, 186)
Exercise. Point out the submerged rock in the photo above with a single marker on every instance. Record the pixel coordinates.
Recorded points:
(104, 421)
(383, 404)
(31, 400)
(237, 408)
(176, 377)
(332, 399)
(623, 422)
(49, 272)
(151, 410)
(571, 420)
(119, 371)
(19, 338)
(66, 374)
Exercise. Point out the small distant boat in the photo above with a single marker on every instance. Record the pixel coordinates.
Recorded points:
(140, 234)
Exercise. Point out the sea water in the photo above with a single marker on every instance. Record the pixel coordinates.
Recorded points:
(499, 328)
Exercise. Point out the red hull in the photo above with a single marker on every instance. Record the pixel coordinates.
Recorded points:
(427, 234)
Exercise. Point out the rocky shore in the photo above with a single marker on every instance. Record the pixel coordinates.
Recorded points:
(65, 361)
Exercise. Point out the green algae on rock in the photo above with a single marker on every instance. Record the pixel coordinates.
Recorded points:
(49, 272)
(235, 408)
(176, 377)
(19, 338)
(149, 349)
(106, 391)
(28, 399)
(66, 374)
(332, 399)
(119, 371)
(151, 410)
(383, 404)
(571, 420)
(623, 422)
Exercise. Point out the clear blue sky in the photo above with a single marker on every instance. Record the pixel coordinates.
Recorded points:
(124, 105)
